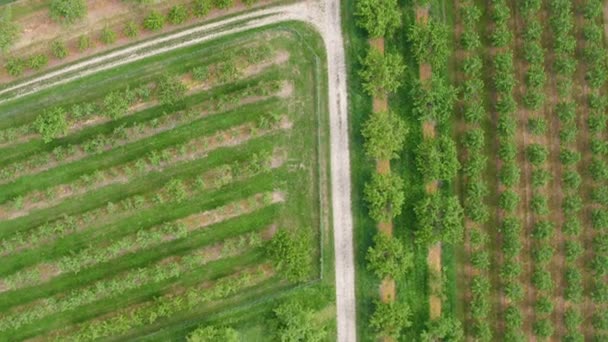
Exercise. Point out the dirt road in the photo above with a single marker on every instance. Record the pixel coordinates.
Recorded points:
(324, 15)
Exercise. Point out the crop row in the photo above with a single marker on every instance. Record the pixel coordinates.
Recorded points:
(169, 268)
(564, 65)
(163, 307)
(175, 190)
(474, 165)
(208, 179)
(509, 172)
(104, 138)
(594, 54)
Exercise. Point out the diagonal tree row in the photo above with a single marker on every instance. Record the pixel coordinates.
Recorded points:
(193, 193)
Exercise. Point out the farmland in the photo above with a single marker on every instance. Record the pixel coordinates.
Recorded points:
(497, 145)
(185, 189)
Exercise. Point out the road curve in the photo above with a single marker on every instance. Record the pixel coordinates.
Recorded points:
(325, 16)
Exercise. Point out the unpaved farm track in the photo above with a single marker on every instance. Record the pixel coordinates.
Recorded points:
(324, 15)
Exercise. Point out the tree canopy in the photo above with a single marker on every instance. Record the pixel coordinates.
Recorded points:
(388, 257)
(389, 319)
(384, 134)
(67, 11)
(212, 334)
(378, 17)
(443, 329)
(290, 254)
(381, 73)
(440, 219)
(296, 323)
(9, 31)
(430, 42)
(51, 124)
(385, 197)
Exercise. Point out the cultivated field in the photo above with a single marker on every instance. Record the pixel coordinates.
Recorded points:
(183, 189)
(493, 117)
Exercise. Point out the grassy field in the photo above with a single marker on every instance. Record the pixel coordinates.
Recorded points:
(145, 225)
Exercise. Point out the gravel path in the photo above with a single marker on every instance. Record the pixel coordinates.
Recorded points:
(324, 15)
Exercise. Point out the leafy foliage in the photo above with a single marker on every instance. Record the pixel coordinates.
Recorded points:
(384, 195)
(381, 73)
(378, 17)
(290, 254)
(388, 257)
(51, 124)
(384, 134)
(67, 11)
(390, 318)
(296, 323)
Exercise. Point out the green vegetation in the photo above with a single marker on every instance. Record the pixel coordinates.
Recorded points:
(67, 11)
(163, 206)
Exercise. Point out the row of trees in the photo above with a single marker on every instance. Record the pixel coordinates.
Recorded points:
(439, 214)
(105, 289)
(70, 11)
(564, 65)
(594, 54)
(509, 173)
(474, 165)
(163, 307)
(384, 134)
(537, 155)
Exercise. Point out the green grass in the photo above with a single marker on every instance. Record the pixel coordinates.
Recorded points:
(303, 180)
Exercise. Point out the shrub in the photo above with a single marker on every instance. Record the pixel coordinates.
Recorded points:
(223, 4)
(440, 218)
(541, 177)
(381, 73)
(131, 29)
(296, 323)
(509, 200)
(59, 49)
(38, 61)
(171, 90)
(569, 157)
(84, 43)
(390, 318)
(543, 328)
(177, 14)
(154, 21)
(388, 257)
(537, 125)
(201, 8)
(108, 36)
(9, 31)
(443, 329)
(51, 124)
(289, 253)
(211, 334)
(573, 250)
(544, 305)
(430, 42)
(67, 11)
(116, 104)
(539, 205)
(572, 179)
(378, 17)
(537, 154)
(15, 66)
(384, 195)
(543, 230)
(542, 280)
(384, 134)
(200, 73)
